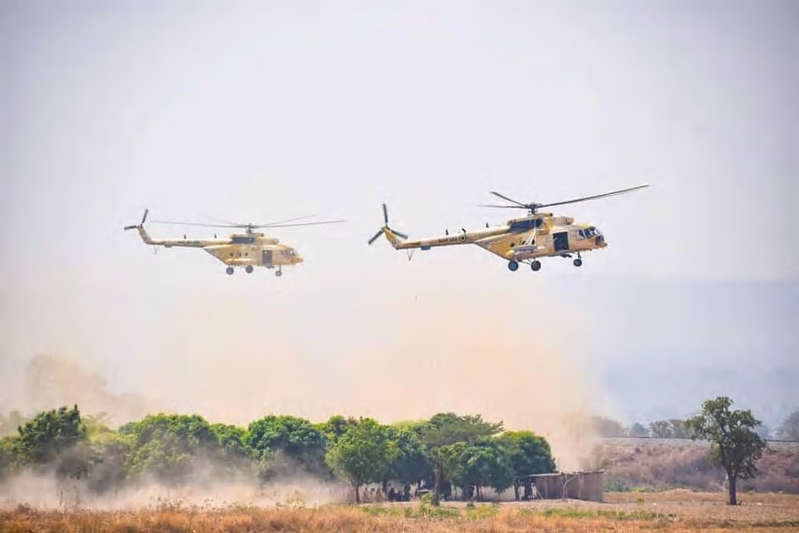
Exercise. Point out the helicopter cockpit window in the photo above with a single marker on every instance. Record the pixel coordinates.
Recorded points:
(239, 239)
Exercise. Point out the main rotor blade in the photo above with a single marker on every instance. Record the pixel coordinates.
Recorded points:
(511, 200)
(376, 236)
(298, 224)
(504, 206)
(199, 224)
(385, 214)
(596, 196)
(285, 220)
(217, 220)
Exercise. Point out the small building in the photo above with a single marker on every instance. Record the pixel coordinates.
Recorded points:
(576, 485)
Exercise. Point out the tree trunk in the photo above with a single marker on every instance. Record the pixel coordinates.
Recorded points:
(436, 484)
(516, 490)
(731, 479)
(357, 496)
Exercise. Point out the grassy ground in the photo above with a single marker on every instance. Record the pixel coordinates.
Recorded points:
(677, 510)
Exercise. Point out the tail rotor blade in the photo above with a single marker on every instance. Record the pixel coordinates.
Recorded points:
(143, 218)
(398, 233)
(126, 228)
(385, 214)
(376, 236)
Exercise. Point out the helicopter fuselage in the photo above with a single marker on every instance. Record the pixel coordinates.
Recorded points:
(237, 250)
(520, 239)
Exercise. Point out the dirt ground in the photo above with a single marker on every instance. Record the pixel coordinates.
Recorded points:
(676, 510)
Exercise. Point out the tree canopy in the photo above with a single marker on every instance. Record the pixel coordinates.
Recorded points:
(362, 454)
(169, 446)
(289, 437)
(177, 449)
(50, 433)
(734, 443)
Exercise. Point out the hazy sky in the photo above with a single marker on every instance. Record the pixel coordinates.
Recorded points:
(268, 110)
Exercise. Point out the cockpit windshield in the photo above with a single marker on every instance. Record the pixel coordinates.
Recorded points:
(589, 232)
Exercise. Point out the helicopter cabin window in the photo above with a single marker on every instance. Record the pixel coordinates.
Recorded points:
(525, 225)
(241, 239)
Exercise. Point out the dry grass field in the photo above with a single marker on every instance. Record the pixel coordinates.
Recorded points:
(677, 510)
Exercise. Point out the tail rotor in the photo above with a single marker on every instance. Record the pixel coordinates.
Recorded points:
(386, 228)
(140, 224)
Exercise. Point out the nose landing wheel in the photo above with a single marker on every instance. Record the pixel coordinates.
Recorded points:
(536, 265)
(513, 266)
(248, 269)
(579, 261)
(229, 271)
(278, 272)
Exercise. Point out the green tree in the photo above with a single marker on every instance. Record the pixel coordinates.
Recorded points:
(679, 428)
(362, 454)
(637, 430)
(734, 443)
(528, 453)
(409, 461)
(661, 429)
(169, 446)
(789, 430)
(444, 429)
(480, 463)
(335, 427)
(232, 440)
(109, 451)
(288, 436)
(49, 434)
(8, 456)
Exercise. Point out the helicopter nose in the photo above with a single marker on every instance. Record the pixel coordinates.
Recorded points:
(298, 259)
(600, 241)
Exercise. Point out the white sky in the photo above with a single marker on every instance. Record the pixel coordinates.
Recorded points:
(267, 110)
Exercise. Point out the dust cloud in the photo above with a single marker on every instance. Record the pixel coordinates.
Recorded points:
(440, 350)
(43, 490)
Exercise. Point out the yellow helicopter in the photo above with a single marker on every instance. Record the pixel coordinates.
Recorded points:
(519, 240)
(248, 250)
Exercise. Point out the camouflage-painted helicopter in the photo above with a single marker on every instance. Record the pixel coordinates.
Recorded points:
(247, 250)
(519, 240)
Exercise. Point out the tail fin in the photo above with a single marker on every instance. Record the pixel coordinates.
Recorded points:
(394, 237)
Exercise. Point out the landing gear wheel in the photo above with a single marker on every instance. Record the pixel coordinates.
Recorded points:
(578, 262)
(229, 271)
(536, 265)
(278, 273)
(248, 269)
(513, 266)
